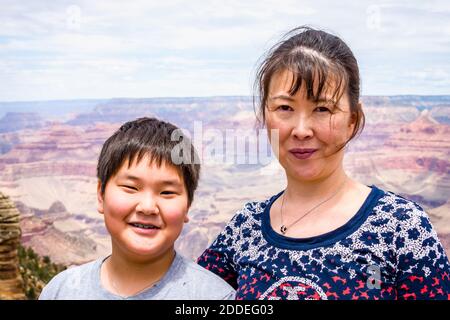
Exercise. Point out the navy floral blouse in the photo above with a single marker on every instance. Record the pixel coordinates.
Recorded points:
(388, 250)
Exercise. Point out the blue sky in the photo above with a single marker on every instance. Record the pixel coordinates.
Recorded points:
(102, 49)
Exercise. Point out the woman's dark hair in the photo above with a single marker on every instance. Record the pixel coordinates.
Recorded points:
(318, 59)
(147, 137)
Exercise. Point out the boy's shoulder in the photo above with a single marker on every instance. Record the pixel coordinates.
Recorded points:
(70, 282)
(199, 283)
(185, 280)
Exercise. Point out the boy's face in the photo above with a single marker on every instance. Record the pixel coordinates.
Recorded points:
(144, 207)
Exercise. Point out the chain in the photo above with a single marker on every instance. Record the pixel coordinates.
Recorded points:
(284, 228)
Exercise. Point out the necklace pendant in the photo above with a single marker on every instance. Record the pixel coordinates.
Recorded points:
(283, 229)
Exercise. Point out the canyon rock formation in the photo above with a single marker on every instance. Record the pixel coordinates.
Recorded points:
(11, 284)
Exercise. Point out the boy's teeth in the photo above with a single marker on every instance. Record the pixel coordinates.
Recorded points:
(143, 226)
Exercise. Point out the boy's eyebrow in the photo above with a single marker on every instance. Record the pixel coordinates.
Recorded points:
(130, 177)
(173, 182)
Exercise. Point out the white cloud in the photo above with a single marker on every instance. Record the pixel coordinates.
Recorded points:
(146, 48)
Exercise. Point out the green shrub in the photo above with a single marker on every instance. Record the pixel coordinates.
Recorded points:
(36, 271)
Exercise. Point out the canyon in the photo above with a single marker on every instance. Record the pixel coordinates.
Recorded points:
(47, 166)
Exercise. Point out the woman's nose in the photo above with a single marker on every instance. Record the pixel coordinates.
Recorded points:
(303, 128)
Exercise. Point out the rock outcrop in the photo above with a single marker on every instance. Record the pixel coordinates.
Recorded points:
(11, 284)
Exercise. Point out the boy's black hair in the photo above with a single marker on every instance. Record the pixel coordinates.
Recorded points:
(153, 138)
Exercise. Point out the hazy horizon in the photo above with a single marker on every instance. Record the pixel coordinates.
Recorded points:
(199, 97)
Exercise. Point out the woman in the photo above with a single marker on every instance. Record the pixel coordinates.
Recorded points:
(325, 236)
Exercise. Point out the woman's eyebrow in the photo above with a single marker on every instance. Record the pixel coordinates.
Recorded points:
(282, 96)
(326, 100)
(289, 98)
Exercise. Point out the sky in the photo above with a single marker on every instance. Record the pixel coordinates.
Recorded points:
(52, 50)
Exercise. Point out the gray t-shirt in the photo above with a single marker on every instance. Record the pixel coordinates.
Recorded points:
(185, 280)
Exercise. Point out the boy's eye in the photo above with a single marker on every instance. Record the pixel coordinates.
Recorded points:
(129, 187)
(168, 192)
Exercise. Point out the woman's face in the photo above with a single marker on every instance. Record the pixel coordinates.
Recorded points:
(310, 133)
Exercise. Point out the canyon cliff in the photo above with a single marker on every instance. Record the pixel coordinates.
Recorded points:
(11, 283)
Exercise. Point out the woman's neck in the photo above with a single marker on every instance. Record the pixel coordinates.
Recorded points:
(127, 277)
(311, 191)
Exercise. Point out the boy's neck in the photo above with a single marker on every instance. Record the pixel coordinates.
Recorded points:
(125, 276)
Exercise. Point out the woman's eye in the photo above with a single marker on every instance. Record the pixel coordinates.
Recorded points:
(322, 109)
(285, 108)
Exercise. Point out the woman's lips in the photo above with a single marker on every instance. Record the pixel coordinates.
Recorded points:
(302, 153)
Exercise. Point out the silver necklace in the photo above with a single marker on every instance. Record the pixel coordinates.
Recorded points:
(284, 228)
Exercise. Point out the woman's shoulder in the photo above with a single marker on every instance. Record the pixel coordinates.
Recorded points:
(250, 214)
(255, 208)
(416, 242)
(403, 213)
(397, 205)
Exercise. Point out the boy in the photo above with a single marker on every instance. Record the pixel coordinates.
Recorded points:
(144, 198)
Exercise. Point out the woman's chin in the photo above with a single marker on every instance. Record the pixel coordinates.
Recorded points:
(303, 175)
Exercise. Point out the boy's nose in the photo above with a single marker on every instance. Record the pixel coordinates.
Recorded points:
(147, 205)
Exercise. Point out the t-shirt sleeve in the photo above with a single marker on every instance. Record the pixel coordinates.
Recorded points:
(51, 290)
(219, 257)
(422, 265)
(47, 294)
(230, 296)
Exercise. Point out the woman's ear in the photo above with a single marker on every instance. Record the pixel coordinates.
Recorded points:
(360, 107)
(100, 196)
(355, 114)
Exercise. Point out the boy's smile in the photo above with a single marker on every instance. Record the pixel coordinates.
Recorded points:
(145, 229)
(144, 207)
